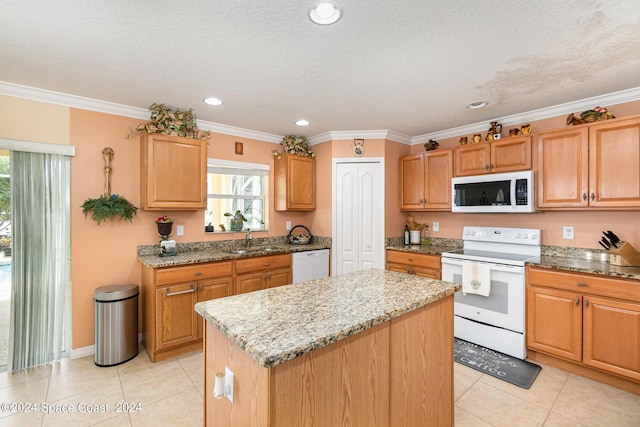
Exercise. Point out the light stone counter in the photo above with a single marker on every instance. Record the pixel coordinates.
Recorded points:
(279, 324)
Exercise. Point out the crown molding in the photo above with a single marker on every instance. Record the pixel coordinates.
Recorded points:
(48, 96)
(620, 97)
(43, 95)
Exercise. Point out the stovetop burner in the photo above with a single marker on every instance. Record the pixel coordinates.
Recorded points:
(513, 246)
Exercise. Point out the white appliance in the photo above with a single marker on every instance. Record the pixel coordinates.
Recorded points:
(498, 320)
(310, 265)
(510, 192)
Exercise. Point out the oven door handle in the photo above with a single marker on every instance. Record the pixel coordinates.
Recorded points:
(494, 267)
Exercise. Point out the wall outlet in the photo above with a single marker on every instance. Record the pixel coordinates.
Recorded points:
(287, 225)
(567, 233)
(180, 230)
(436, 226)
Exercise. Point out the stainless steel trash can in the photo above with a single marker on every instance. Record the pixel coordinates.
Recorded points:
(116, 324)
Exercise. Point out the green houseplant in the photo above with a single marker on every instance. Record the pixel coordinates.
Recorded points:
(237, 220)
(109, 207)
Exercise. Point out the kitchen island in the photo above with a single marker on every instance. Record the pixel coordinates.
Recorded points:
(369, 348)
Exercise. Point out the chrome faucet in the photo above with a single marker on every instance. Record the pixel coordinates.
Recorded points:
(248, 238)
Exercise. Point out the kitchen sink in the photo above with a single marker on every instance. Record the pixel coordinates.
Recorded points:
(238, 251)
(254, 249)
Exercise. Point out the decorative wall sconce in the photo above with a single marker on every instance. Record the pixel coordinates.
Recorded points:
(358, 147)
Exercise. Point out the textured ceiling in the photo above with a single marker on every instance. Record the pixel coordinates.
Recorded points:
(408, 66)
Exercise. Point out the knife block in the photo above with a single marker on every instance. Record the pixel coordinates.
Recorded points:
(624, 256)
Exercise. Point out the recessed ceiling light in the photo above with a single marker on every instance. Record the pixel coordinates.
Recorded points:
(477, 104)
(302, 122)
(212, 101)
(324, 14)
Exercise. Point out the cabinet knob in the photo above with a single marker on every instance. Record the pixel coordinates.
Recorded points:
(586, 303)
(267, 264)
(486, 167)
(577, 300)
(198, 273)
(584, 196)
(199, 288)
(593, 196)
(410, 259)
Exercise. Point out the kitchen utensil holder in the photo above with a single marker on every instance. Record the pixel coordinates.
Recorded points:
(624, 256)
(293, 240)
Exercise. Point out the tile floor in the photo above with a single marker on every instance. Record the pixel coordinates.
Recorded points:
(170, 394)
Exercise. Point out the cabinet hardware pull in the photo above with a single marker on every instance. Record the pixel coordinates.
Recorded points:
(190, 291)
(200, 288)
(198, 273)
(582, 284)
(410, 259)
(486, 167)
(267, 264)
(586, 303)
(593, 196)
(577, 300)
(584, 196)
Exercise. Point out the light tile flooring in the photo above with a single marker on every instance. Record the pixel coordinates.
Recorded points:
(169, 393)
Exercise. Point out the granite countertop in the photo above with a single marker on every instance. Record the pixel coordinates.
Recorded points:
(278, 324)
(222, 253)
(584, 265)
(434, 249)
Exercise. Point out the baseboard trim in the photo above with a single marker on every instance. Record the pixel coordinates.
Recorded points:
(89, 350)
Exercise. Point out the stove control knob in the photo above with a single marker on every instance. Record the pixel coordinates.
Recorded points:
(525, 236)
(518, 236)
(534, 236)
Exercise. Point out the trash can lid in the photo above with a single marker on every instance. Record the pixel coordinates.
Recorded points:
(115, 292)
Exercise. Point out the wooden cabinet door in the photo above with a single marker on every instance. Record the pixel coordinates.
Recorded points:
(176, 322)
(399, 268)
(249, 282)
(212, 289)
(437, 179)
(473, 159)
(511, 154)
(412, 176)
(276, 278)
(554, 322)
(294, 187)
(612, 336)
(562, 179)
(427, 272)
(173, 173)
(614, 159)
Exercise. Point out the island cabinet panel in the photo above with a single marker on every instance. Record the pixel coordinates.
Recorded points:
(343, 384)
(397, 373)
(591, 321)
(173, 172)
(420, 369)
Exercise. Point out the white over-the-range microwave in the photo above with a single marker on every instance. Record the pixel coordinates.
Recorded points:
(510, 192)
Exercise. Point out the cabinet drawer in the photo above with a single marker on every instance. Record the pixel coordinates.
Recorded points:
(193, 272)
(585, 284)
(411, 258)
(263, 263)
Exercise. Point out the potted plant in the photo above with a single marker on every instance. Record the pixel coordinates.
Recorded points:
(109, 208)
(298, 145)
(237, 220)
(164, 224)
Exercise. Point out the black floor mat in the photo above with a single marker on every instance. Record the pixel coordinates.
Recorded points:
(499, 365)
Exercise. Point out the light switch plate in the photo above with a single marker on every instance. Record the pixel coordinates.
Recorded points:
(436, 226)
(180, 230)
(287, 225)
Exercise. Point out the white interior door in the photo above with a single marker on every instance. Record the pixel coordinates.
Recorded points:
(358, 215)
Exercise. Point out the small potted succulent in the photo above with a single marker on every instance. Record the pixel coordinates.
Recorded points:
(237, 220)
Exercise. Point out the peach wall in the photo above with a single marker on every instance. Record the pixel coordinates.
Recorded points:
(106, 253)
(320, 220)
(344, 148)
(26, 120)
(394, 219)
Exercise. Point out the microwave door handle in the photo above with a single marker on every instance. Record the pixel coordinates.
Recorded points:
(512, 191)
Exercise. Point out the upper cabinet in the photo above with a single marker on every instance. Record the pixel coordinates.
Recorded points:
(173, 173)
(294, 184)
(425, 181)
(503, 155)
(594, 166)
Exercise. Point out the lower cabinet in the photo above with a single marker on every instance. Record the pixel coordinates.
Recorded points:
(253, 274)
(589, 320)
(424, 265)
(171, 326)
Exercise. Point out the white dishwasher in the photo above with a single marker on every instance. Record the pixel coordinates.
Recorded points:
(310, 265)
